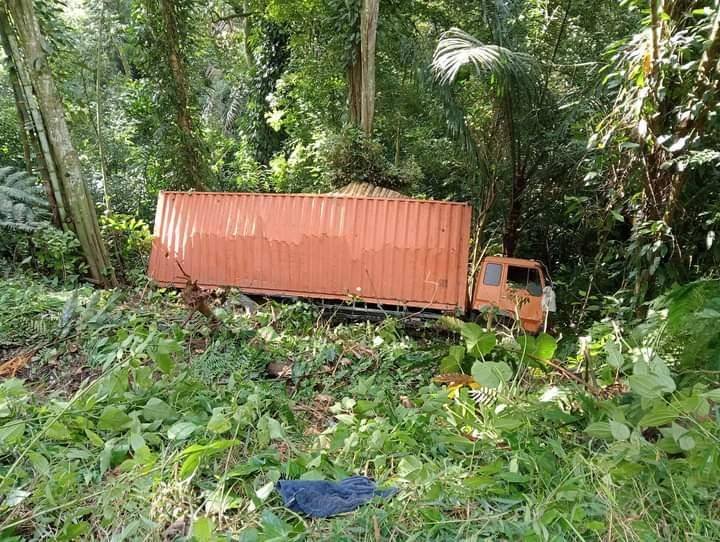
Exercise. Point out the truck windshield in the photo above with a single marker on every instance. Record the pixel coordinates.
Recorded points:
(524, 278)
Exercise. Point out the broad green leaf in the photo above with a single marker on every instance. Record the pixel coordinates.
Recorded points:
(491, 374)
(219, 422)
(136, 441)
(686, 443)
(526, 345)
(452, 363)
(113, 419)
(659, 415)
(181, 430)
(275, 429)
(483, 346)
(58, 431)
(163, 360)
(11, 432)
(162, 355)
(408, 465)
(675, 431)
(471, 331)
(545, 346)
(613, 354)
(74, 531)
(169, 346)
(513, 477)
(647, 386)
(156, 409)
(244, 469)
(189, 465)
(599, 430)
(709, 313)
(619, 430)
(94, 438)
(713, 395)
(274, 528)
(193, 454)
(202, 529)
(507, 423)
(106, 457)
(477, 482)
(478, 341)
(39, 463)
(250, 534)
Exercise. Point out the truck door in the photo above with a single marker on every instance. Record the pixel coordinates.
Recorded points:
(522, 291)
(488, 285)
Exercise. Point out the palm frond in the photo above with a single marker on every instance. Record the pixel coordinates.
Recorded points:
(238, 100)
(457, 49)
(22, 205)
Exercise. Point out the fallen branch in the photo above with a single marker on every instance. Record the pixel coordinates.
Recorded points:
(197, 299)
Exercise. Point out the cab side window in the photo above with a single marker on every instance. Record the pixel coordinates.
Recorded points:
(524, 278)
(493, 272)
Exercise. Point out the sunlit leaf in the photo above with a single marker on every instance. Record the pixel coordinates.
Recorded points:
(619, 430)
(113, 419)
(491, 374)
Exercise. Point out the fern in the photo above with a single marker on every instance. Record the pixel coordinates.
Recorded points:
(23, 206)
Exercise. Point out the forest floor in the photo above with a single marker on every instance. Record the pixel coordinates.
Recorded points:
(121, 419)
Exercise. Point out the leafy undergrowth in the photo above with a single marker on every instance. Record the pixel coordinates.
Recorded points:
(120, 420)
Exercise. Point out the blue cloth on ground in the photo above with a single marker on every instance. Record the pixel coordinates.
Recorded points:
(321, 499)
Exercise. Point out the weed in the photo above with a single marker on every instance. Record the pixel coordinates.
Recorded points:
(172, 430)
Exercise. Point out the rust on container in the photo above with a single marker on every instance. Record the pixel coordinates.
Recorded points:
(390, 251)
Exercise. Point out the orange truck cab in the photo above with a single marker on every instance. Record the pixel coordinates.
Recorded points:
(514, 288)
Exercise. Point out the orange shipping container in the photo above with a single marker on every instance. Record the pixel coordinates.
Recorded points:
(402, 252)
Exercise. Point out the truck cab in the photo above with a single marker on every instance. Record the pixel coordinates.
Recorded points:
(513, 288)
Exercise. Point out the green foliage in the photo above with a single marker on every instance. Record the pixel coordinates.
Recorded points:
(509, 69)
(271, 58)
(129, 240)
(352, 157)
(684, 320)
(11, 151)
(165, 109)
(169, 410)
(58, 253)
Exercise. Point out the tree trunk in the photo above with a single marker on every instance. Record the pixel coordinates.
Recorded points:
(519, 180)
(513, 224)
(29, 115)
(48, 116)
(192, 157)
(355, 88)
(706, 91)
(246, 28)
(104, 166)
(368, 35)
(22, 113)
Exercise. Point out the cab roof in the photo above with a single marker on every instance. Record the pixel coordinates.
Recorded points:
(520, 262)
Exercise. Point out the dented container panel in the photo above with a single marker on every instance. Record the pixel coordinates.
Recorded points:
(390, 251)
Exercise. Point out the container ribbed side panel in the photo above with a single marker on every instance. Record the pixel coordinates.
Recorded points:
(389, 251)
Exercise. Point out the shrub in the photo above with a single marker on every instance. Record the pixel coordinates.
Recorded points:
(129, 240)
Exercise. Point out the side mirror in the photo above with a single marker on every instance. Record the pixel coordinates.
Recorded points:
(549, 303)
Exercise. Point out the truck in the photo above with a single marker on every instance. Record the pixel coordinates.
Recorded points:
(396, 253)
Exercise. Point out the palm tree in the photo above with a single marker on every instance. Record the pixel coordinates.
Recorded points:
(512, 71)
(505, 158)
